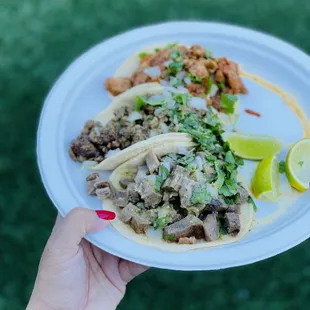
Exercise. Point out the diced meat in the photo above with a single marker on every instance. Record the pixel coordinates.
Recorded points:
(131, 215)
(120, 199)
(152, 161)
(82, 149)
(147, 192)
(183, 49)
(140, 77)
(215, 101)
(219, 76)
(139, 134)
(186, 240)
(90, 183)
(211, 227)
(234, 208)
(232, 223)
(186, 191)
(174, 181)
(109, 133)
(157, 58)
(243, 195)
(132, 195)
(117, 85)
(196, 89)
(199, 69)
(90, 124)
(103, 190)
(216, 205)
(211, 65)
(197, 51)
(151, 215)
(231, 72)
(124, 182)
(190, 226)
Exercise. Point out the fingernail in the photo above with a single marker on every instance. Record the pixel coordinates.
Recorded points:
(106, 215)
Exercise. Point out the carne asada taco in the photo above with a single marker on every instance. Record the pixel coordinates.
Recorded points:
(176, 198)
(180, 66)
(143, 113)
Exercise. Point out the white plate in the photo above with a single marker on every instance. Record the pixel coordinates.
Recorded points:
(79, 94)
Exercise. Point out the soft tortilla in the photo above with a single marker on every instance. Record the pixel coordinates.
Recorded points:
(153, 237)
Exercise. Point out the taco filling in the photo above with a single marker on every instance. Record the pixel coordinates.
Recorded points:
(179, 66)
(189, 195)
(149, 116)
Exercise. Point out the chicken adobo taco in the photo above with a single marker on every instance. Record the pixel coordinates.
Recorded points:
(191, 67)
(143, 113)
(177, 198)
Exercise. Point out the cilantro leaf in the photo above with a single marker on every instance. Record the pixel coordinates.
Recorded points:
(229, 188)
(211, 119)
(175, 67)
(194, 78)
(145, 101)
(186, 160)
(208, 53)
(163, 174)
(176, 55)
(175, 82)
(282, 166)
(200, 195)
(251, 201)
(229, 158)
(181, 98)
(143, 54)
(230, 167)
(161, 222)
(239, 161)
(157, 49)
(227, 102)
(170, 237)
(171, 45)
(210, 83)
(220, 176)
(221, 85)
(139, 103)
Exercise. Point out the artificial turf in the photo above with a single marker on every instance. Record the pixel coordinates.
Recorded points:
(38, 39)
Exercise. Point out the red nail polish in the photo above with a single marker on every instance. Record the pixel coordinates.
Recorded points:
(106, 215)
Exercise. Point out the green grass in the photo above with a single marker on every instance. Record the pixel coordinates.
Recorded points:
(39, 38)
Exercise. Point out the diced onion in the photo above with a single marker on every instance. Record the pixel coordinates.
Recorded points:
(187, 80)
(164, 127)
(134, 116)
(89, 164)
(168, 63)
(200, 178)
(199, 162)
(212, 190)
(171, 103)
(156, 98)
(111, 153)
(97, 131)
(198, 103)
(152, 71)
(158, 111)
(182, 90)
(180, 75)
(182, 150)
(153, 133)
(213, 90)
(164, 83)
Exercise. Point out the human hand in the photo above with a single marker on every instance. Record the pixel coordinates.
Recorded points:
(74, 274)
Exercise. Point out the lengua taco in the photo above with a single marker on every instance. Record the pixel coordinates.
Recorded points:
(143, 113)
(176, 65)
(176, 198)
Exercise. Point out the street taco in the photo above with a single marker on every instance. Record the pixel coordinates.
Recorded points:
(146, 113)
(176, 198)
(179, 66)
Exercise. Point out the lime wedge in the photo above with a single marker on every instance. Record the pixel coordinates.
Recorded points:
(266, 180)
(297, 165)
(255, 147)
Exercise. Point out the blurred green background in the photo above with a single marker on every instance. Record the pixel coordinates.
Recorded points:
(38, 39)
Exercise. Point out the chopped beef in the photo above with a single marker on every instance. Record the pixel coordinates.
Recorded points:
(82, 149)
(243, 195)
(152, 161)
(147, 192)
(197, 51)
(232, 223)
(169, 196)
(186, 240)
(125, 182)
(211, 227)
(139, 134)
(90, 183)
(196, 89)
(140, 205)
(174, 181)
(140, 77)
(234, 208)
(151, 215)
(190, 226)
(216, 205)
(103, 190)
(132, 215)
(186, 190)
(90, 124)
(117, 85)
(219, 76)
(156, 58)
(215, 101)
(132, 195)
(120, 199)
(211, 65)
(109, 133)
(231, 72)
(199, 69)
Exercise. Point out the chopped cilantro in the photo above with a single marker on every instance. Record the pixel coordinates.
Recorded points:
(186, 160)
(211, 119)
(175, 82)
(211, 158)
(209, 54)
(161, 222)
(220, 176)
(181, 98)
(194, 78)
(163, 174)
(145, 101)
(210, 83)
(200, 195)
(176, 55)
(229, 188)
(143, 54)
(170, 237)
(233, 199)
(221, 85)
(230, 167)
(301, 163)
(139, 103)
(171, 45)
(175, 67)
(251, 201)
(239, 161)
(157, 49)
(223, 231)
(227, 102)
(282, 166)
(229, 158)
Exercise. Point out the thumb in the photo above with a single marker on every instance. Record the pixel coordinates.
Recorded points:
(69, 232)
